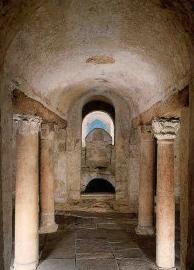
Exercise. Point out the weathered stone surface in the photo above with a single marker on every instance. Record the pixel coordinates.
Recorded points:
(146, 182)
(59, 264)
(184, 184)
(6, 175)
(23, 104)
(52, 81)
(165, 132)
(47, 178)
(61, 251)
(97, 264)
(97, 248)
(60, 165)
(27, 124)
(121, 200)
(87, 223)
(128, 253)
(98, 155)
(27, 193)
(190, 241)
(171, 106)
(47, 51)
(60, 245)
(132, 264)
(93, 249)
(165, 128)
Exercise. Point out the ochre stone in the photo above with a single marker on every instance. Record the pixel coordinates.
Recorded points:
(165, 130)
(27, 193)
(47, 224)
(146, 181)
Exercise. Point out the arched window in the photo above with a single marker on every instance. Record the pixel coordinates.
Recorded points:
(99, 185)
(97, 120)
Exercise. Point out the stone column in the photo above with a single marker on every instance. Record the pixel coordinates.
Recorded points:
(146, 200)
(47, 224)
(184, 185)
(165, 131)
(27, 191)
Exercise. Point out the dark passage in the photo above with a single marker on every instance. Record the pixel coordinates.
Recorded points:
(99, 185)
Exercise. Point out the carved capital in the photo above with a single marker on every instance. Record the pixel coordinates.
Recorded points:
(27, 124)
(47, 131)
(165, 128)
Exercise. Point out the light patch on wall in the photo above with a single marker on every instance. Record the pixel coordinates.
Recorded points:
(100, 59)
(97, 124)
(97, 119)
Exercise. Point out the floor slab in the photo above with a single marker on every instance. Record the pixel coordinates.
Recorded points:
(57, 264)
(93, 243)
(97, 264)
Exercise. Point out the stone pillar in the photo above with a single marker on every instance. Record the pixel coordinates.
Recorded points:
(184, 184)
(165, 131)
(47, 224)
(146, 200)
(27, 190)
(190, 240)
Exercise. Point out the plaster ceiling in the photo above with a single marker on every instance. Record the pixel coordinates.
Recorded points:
(136, 48)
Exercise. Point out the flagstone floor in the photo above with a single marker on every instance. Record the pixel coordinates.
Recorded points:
(97, 242)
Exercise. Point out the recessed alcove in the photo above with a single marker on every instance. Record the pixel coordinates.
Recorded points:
(99, 186)
(98, 151)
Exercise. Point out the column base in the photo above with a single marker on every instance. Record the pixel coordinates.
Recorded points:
(144, 230)
(48, 228)
(30, 266)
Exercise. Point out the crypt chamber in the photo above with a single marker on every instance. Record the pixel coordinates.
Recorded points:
(97, 135)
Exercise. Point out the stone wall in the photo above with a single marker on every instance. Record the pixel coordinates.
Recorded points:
(134, 169)
(88, 175)
(14, 14)
(98, 158)
(98, 150)
(6, 174)
(62, 184)
(74, 153)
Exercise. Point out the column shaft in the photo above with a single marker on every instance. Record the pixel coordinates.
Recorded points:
(165, 130)
(165, 206)
(48, 224)
(145, 211)
(27, 198)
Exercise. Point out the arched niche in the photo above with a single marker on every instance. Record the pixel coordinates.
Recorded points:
(121, 118)
(99, 185)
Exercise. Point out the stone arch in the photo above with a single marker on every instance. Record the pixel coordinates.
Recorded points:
(122, 135)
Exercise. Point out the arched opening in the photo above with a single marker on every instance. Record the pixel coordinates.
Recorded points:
(98, 115)
(97, 120)
(98, 146)
(98, 105)
(99, 185)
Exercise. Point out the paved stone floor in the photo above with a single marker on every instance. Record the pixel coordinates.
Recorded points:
(99, 242)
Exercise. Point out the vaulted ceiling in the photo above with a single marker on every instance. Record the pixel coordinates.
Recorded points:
(138, 49)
